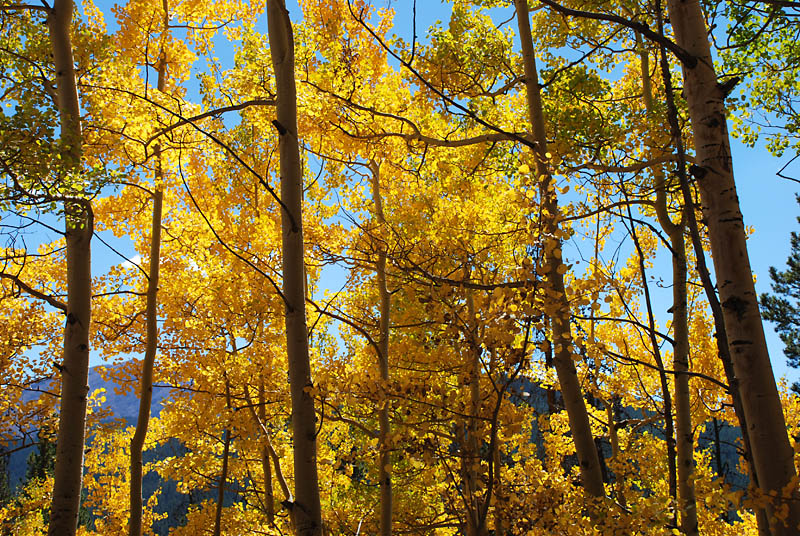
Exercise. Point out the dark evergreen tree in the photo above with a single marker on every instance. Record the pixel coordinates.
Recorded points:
(42, 460)
(783, 307)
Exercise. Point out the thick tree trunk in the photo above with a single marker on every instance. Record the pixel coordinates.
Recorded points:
(146, 381)
(385, 458)
(772, 453)
(306, 508)
(75, 367)
(591, 473)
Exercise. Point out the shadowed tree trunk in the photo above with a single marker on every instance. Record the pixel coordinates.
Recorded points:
(306, 508)
(75, 366)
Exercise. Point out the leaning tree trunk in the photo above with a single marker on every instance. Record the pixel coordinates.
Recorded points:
(772, 454)
(75, 367)
(306, 509)
(591, 472)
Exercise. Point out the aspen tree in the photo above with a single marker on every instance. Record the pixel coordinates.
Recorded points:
(306, 508)
(591, 473)
(384, 429)
(146, 382)
(79, 227)
(151, 313)
(680, 323)
(772, 454)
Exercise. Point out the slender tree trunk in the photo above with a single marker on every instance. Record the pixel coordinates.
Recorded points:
(223, 477)
(591, 473)
(613, 438)
(79, 223)
(269, 494)
(772, 454)
(151, 314)
(680, 327)
(687, 504)
(705, 278)
(306, 508)
(669, 423)
(471, 459)
(260, 420)
(385, 458)
(499, 521)
(146, 382)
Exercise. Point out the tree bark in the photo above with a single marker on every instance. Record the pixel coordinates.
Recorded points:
(223, 477)
(306, 508)
(384, 429)
(146, 382)
(687, 504)
(591, 473)
(75, 367)
(772, 453)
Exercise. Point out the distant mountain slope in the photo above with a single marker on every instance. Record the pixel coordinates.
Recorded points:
(122, 406)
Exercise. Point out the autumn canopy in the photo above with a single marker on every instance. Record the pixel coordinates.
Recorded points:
(365, 274)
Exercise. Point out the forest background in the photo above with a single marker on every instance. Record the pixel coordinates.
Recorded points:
(435, 399)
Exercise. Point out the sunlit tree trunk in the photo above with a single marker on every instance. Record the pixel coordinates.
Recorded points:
(772, 453)
(306, 507)
(384, 430)
(591, 473)
(75, 366)
(151, 340)
(146, 381)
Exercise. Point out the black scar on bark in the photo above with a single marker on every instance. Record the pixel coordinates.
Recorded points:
(737, 305)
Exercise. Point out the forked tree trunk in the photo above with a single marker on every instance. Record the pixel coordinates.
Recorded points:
(591, 472)
(306, 509)
(384, 309)
(75, 367)
(772, 454)
(687, 504)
